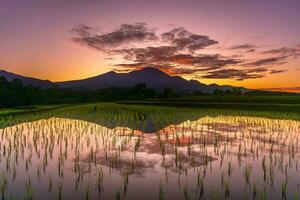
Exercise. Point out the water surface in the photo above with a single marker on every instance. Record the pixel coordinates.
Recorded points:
(210, 158)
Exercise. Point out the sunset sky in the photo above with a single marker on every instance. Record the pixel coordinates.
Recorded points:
(255, 44)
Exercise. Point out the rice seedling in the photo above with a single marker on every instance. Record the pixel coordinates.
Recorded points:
(186, 194)
(161, 194)
(229, 170)
(263, 195)
(3, 185)
(296, 196)
(29, 190)
(226, 189)
(284, 188)
(88, 193)
(50, 184)
(264, 168)
(59, 191)
(99, 182)
(118, 195)
(112, 142)
(254, 193)
(247, 174)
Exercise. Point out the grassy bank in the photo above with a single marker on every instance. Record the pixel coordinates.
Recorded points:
(143, 117)
(251, 99)
(28, 109)
(273, 107)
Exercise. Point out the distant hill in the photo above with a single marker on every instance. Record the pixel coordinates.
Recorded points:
(26, 80)
(152, 77)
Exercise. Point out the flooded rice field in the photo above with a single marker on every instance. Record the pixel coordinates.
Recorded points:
(221, 157)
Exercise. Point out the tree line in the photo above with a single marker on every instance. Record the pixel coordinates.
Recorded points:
(15, 93)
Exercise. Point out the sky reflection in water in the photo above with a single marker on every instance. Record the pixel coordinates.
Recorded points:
(213, 157)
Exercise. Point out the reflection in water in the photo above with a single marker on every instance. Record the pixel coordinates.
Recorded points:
(213, 157)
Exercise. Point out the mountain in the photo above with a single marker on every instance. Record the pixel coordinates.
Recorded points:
(26, 80)
(152, 77)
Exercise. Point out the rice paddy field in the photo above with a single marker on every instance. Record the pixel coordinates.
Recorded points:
(112, 151)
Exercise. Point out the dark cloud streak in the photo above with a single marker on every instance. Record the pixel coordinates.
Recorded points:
(268, 61)
(246, 46)
(285, 51)
(183, 39)
(124, 34)
(275, 71)
(236, 74)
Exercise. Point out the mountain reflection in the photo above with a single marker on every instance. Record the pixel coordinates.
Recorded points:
(76, 154)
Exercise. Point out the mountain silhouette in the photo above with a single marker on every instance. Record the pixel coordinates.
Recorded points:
(152, 77)
(26, 80)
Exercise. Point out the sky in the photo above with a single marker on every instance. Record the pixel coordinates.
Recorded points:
(254, 44)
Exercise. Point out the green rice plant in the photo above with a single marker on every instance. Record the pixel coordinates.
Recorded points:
(59, 191)
(264, 168)
(161, 193)
(254, 193)
(88, 193)
(49, 183)
(3, 185)
(226, 189)
(29, 190)
(247, 174)
(186, 194)
(263, 195)
(229, 169)
(118, 195)
(284, 188)
(296, 196)
(99, 182)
